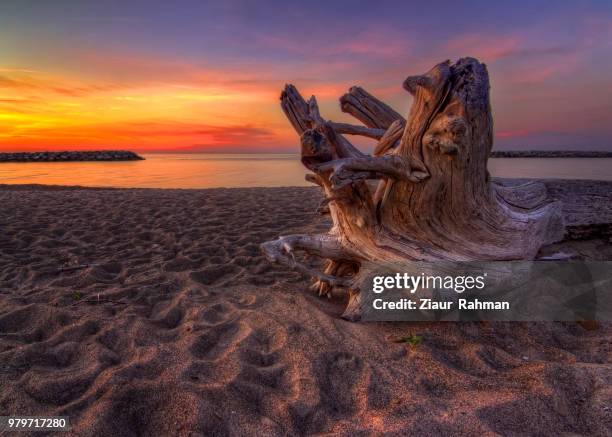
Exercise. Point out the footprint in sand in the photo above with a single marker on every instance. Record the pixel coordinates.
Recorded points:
(144, 409)
(262, 349)
(247, 301)
(180, 264)
(263, 364)
(340, 375)
(212, 274)
(276, 378)
(258, 358)
(199, 372)
(498, 359)
(218, 341)
(465, 360)
(172, 317)
(59, 388)
(218, 313)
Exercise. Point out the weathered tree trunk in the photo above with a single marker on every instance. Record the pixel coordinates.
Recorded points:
(434, 200)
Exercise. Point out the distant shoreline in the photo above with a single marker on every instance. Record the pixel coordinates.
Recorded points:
(549, 154)
(101, 155)
(126, 155)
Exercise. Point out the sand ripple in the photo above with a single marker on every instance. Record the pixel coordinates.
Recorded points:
(152, 312)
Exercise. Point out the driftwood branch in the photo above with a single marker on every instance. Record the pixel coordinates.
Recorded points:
(390, 138)
(283, 251)
(368, 109)
(351, 129)
(346, 170)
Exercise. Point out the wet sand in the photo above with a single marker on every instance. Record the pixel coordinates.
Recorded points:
(152, 312)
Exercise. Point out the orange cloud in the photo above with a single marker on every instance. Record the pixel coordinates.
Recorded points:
(146, 103)
(39, 110)
(149, 135)
(30, 82)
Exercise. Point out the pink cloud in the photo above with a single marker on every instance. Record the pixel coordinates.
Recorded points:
(373, 41)
(488, 48)
(378, 42)
(512, 133)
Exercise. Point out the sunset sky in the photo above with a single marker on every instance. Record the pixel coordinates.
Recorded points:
(203, 75)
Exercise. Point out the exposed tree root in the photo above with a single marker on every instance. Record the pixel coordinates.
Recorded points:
(434, 200)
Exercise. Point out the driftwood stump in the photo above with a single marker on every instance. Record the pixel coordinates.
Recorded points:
(435, 199)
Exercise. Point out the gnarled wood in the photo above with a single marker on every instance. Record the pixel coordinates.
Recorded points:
(368, 109)
(434, 201)
(351, 129)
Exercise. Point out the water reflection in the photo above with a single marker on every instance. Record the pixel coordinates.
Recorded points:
(256, 170)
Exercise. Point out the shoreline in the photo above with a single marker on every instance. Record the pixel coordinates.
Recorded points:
(503, 181)
(549, 154)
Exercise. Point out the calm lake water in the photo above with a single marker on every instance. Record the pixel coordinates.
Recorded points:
(256, 170)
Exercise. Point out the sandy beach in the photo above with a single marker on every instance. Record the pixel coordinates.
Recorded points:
(153, 312)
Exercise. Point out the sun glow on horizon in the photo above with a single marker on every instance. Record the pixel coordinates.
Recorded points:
(40, 111)
(207, 76)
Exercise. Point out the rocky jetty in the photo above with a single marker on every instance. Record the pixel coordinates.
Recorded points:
(102, 155)
(549, 154)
